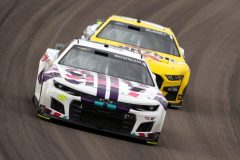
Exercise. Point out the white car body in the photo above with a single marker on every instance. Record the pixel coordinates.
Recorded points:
(62, 92)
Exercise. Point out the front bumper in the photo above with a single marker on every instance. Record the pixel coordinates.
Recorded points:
(152, 138)
(137, 124)
(172, 90)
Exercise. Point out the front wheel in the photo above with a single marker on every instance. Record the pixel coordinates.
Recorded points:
(34, 100)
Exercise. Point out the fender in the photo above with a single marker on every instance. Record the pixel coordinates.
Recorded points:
(45, 62)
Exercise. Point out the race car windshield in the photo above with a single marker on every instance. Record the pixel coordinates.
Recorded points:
(108, 63)
(140, 37)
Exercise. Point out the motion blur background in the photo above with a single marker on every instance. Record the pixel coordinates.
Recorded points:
(206, 128)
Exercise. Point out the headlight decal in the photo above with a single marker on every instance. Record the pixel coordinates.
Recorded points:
(72, 81)
(162, 100)
(66, 89)
(174, 77)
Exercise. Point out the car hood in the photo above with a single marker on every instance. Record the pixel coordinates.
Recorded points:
(155, 56)
(173, 64)
(107, 87)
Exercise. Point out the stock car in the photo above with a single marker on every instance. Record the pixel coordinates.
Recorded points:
(101, 87)
(156, 43)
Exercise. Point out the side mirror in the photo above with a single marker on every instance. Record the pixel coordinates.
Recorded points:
(154, 76)
(182, 51)
(90, 30)
(60, 46)
(52, 55)
(99, 22)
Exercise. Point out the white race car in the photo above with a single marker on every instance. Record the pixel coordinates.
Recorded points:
(101, 87)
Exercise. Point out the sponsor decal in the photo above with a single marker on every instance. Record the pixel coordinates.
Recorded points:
(76, 76)
(133, 60)
(151, 57)
(133, 94)
(61, 97)
(106, 104)
(112, 106)
(150, 118)
(157, 32)
(45, 57)
(147, 118)
(147, 54)
(180, 97)
(141, 134)
(54, 113)
(98, 104)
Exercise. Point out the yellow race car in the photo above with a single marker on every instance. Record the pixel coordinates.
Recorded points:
(157, 44)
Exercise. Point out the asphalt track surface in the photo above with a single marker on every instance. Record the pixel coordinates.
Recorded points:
(207, 128)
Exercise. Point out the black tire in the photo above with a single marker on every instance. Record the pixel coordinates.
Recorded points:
(35, 101)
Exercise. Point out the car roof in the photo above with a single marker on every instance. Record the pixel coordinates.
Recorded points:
(108, 48)
(142, 23)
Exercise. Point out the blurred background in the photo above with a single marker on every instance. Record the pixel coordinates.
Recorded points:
(207, 127)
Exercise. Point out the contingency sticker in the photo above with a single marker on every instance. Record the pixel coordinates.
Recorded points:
(61, 97)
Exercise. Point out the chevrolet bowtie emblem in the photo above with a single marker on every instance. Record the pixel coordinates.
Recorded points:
(105, 101)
